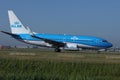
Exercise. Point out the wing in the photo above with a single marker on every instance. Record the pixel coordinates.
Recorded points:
(53, 42)
(50, 41)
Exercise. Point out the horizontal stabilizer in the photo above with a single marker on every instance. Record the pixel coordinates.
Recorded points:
(13, 35)
(9, 33)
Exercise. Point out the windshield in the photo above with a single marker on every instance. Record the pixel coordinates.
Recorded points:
(104, 41)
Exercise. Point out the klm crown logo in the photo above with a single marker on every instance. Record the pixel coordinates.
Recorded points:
(74, 38)
(16, 25)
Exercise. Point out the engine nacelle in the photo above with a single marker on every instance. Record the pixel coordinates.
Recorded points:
(71, 46)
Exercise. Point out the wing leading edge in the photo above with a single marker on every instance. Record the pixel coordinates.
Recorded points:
(53, 42)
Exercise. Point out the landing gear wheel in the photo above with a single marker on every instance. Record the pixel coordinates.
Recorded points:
(57, 50)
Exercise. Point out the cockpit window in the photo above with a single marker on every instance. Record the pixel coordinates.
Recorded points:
(105, 41)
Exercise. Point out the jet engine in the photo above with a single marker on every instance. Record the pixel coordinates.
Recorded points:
(71, 46)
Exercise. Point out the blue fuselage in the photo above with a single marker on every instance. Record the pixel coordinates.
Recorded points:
(81, 41)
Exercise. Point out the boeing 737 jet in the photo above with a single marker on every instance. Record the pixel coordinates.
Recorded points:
(56, 41)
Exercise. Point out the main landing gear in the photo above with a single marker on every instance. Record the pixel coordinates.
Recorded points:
(57, 50)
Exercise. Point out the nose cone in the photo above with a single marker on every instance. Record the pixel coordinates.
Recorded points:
(108, 45)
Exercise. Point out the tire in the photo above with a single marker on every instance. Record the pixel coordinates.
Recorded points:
(57, 50)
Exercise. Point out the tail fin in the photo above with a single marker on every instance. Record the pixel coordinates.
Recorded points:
(15, 24)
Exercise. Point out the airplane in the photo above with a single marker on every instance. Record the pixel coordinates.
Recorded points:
(57, 41)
